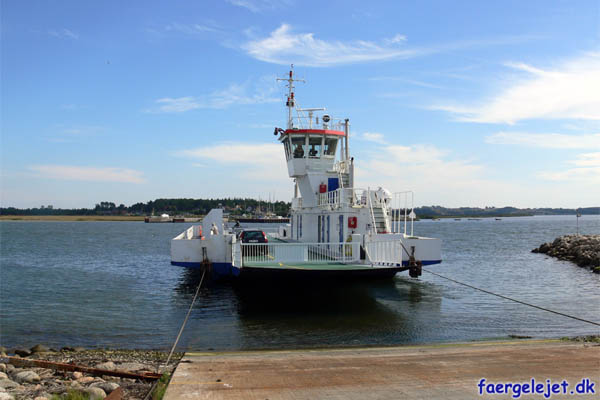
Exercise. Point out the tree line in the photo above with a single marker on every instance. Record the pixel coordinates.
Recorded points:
(191, 207)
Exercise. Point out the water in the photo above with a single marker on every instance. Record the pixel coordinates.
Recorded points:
(110, 284)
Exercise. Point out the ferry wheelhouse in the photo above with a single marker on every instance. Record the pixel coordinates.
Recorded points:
(335, 230)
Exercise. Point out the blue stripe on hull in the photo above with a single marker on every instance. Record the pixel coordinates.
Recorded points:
(226, 270)
(219, 270)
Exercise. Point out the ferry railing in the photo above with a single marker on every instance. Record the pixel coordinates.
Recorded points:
(279, 254)
(402, 208)
(384, 251)
(352, 197)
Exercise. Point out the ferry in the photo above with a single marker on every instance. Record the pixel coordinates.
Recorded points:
(335, 230)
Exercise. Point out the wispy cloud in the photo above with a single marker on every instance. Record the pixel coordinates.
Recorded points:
(89, 174)
(71, 133)
(586, 170)
(405, 80)
(373, 137)
(257, 6)
(263, 91)
(63, 33)
(283, 46)
(262, 162)
(569, 91)
(546, 140)
(191, 29)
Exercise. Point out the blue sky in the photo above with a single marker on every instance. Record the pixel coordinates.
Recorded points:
(469, 103)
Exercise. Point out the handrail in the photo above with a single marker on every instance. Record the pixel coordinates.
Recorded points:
(371, 209)
(274, 253)
(385, 251)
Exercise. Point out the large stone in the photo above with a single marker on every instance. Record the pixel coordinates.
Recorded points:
(27, 377)
(131, 366)
(3, 375)
(108, 387)
(77, 375)
(22, 352)
(2, 367)
(6, 396)
(39, 348)
(109, 365)
(8, 384)
(85, 379)
(95, 393)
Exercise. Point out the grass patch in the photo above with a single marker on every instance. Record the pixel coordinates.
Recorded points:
(71, 395)
(585, 339)
(161, 386)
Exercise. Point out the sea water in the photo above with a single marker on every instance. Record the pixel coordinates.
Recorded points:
(110, 284)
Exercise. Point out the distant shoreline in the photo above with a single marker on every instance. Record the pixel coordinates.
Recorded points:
(72, 218)
(140, 218)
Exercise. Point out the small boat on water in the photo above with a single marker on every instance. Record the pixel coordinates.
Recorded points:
(335, 230)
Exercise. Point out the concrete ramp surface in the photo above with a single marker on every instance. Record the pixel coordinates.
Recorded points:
(445, 371)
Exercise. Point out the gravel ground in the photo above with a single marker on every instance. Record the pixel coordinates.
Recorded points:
(42, 383)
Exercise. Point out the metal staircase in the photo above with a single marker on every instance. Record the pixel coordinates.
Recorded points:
(379, 216)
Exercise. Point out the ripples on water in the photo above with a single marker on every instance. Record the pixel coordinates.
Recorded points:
(110, 284)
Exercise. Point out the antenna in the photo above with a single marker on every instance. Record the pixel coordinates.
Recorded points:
(290, 98)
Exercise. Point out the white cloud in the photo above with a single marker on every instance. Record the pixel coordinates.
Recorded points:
(63, 33)
(259, 5)
(397, 39)
(569, 91)
(260, 162)
(546, 140)
(373, 137)
(235, 94)
(586, 171)
(405, 80)
(191, 29)
(283, 46)
(178, 104)
(587, 160)
(89, 174)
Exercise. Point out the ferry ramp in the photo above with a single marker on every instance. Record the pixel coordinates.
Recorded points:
(445, 371)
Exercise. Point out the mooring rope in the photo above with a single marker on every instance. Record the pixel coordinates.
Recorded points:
(186, 319)
(511, 299)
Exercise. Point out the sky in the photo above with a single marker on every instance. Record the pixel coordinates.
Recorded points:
(468, 103)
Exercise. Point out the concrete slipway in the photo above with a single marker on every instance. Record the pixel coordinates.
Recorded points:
(445, 371)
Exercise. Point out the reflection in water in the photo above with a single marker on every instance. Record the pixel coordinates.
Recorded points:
(313, 315)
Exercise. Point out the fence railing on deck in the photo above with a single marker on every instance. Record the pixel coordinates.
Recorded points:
(385, 251)
(307, 253)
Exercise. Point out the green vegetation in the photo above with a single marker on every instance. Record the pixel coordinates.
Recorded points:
(186, 207)
(239, 207)
(71, 395)
(477, 212)
(161, 387)
(585, 339)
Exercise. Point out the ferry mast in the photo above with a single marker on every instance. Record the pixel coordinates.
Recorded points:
(290, 103)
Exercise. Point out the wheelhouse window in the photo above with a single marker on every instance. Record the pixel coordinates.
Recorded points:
(298, 146)
(314, 146)
(330, 147)
(286, 145)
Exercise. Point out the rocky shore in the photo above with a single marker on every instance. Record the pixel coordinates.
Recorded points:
(583, 250)
(44, 383)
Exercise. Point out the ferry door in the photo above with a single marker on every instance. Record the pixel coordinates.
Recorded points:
(341, 228)
(322, 228)
(319, 226)
(328, 230)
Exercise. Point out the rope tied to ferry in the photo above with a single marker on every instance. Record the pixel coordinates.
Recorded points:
(511, 299)
(185, 320)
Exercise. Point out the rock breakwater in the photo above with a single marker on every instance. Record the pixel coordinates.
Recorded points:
(583, 250)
